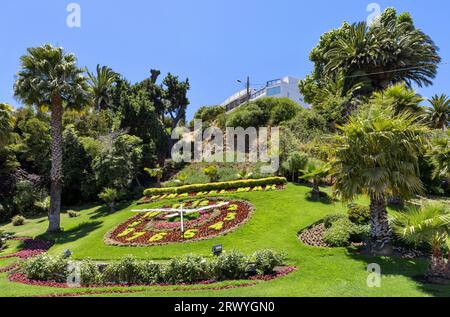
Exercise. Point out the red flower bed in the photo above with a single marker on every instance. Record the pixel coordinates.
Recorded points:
(154, 229)
(32, 248)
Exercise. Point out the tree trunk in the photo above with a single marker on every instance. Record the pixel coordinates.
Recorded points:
(437, 268)
(380, 235)
(315, 194)
(56, 175)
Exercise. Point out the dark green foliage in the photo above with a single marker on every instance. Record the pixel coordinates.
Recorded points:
(343, 232)
(267, 260)
(230, 266)
(359, 214)
(263, 112)
(190, 269)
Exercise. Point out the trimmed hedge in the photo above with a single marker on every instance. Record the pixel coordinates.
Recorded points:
(216, 186)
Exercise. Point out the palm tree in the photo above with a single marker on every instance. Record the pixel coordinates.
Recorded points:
(439, 154)
(439, 112)
(386, 53)
(429, 224)
(377, 155)
(6, 121)
(315, 172)
(100, 86)
(244, 174)
(50, 79)
(157, 172)
(401, 97)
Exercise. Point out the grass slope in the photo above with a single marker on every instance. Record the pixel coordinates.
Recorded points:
(278, 218)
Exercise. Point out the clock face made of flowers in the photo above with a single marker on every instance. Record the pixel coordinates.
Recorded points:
(181, 222)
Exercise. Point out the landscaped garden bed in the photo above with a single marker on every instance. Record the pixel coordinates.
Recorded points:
(264, 188)
(204, 218)
(51, 271)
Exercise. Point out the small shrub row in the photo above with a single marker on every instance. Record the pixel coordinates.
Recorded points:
(216, 186)
(188, 269)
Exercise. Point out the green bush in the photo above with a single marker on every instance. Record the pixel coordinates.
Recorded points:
(47, 268)
(151, 272)
(73, 214)
(190, 268)
(230, 266)
(267, 260)
(338, 235)
(331, 219)
(359, 214)
(127, 271)
(90, 273)
(342, 232)
(216, 186)
(18, 221)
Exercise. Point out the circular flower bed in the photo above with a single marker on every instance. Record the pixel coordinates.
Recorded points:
(203, 219)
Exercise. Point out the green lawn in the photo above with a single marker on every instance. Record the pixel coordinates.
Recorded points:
(279, 216)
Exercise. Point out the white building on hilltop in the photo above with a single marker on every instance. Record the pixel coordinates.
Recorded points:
(278, 88)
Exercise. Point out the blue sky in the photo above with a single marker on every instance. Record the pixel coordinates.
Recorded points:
(213, 42)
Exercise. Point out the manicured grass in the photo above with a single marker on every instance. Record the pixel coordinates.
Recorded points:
(279, 216)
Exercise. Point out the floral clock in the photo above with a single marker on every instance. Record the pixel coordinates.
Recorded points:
(181, 222)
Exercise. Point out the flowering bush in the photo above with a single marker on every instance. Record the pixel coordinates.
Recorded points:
(230, 266)
(47, 268)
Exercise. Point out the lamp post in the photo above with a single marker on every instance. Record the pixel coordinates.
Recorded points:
(247, 87)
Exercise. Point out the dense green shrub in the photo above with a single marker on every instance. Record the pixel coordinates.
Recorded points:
(343, 232)
(90, 273)
(190, 268)
(230, 266)
(359, 214)
(332, 218)
(216, 186)
(267, 260)
(47, 268)
(151, 272)
(338, 235)
(127, 271)
(18, 221)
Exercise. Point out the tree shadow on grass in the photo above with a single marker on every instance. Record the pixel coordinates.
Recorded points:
(324, 198)
(80, 231)
(413, 269)
(104, 211)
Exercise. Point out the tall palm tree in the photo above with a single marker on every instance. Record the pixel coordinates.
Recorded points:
(100, 86)
(386, 53)
(377, 155)
(429, 224)
(439, 112)
(6, 121)
(51, 80)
